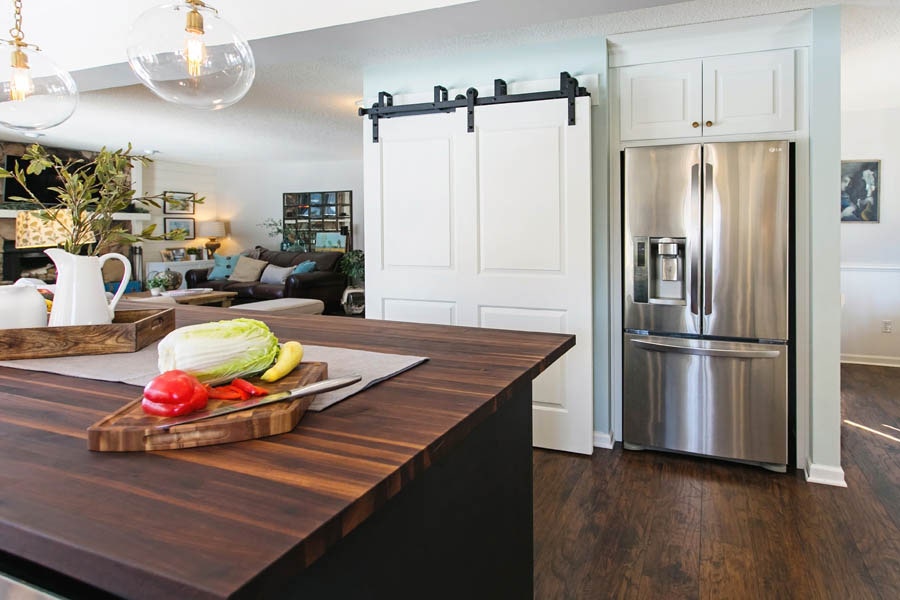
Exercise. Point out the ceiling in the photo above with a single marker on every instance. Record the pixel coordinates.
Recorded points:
(302, 106)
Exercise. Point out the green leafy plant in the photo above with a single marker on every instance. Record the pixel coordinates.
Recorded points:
(353, 265)
(194, 251)
(274, 227)
(91, 191)
(157, 280)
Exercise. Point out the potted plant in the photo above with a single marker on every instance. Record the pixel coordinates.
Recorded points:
(275, 229)
(194, 253)
(156, 282)
(353, 265)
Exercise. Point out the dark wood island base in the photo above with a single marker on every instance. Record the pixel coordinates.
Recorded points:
(420, 487)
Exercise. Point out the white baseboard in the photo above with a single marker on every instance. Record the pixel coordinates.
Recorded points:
(825, 474)
(865, 359)
(604, 440)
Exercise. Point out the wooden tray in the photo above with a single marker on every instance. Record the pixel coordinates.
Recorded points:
(130, 331)
(129, 429)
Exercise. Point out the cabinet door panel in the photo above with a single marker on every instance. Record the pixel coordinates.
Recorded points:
(660, 100)
(749, 93)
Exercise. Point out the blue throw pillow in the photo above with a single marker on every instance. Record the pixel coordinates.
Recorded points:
(305, 267)
(224, 266)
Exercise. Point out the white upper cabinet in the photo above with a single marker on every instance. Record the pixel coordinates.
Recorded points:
(748, 93)
(661, 100)
(727, 95)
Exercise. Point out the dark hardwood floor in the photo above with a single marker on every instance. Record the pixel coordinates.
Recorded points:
(648, 525)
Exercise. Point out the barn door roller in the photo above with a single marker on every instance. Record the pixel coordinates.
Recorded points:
(385, 109)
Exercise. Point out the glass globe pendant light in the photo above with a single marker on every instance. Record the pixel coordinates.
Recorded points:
(187, 54)
(34, 92)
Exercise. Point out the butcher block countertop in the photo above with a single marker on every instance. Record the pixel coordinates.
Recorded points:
(235, 519)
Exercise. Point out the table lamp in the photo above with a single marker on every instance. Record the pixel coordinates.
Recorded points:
(211, 230)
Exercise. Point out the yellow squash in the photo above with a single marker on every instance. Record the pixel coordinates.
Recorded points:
(289, 357)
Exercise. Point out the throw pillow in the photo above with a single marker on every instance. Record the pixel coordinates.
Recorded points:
(247, 269)
(275, 274)
(223, 267)
(305, 267)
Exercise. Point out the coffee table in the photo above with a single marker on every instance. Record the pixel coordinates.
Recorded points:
(223, 299)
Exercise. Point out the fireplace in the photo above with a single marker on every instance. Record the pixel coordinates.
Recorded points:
(32, 261)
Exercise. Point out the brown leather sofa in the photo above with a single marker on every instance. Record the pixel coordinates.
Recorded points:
(325, 283)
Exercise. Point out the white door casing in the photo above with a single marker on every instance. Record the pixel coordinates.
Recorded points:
(490, 229)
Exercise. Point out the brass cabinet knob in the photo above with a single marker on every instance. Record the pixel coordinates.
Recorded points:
(709, 123)
(695, 124)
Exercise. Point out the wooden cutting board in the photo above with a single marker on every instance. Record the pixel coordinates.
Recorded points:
(130, 429)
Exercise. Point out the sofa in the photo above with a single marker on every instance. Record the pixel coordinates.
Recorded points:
(324, 283)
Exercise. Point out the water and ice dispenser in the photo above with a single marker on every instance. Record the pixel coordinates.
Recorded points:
(659, 270)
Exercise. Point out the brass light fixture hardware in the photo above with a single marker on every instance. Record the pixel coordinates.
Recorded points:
(34, 92)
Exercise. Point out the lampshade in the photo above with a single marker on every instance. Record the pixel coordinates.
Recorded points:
(187, 54)
(36, 231)
(35, 93)
(211, 229)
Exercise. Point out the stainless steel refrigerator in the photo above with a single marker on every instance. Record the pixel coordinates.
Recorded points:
(706, 299)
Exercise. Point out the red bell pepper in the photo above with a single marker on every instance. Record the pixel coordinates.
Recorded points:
(174, 393)
(163, 409)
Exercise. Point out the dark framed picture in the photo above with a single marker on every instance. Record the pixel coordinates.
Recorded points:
(860, 181)
(178, 203)
(173, 223)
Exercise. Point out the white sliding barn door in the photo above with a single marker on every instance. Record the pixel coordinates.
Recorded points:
(490, 229)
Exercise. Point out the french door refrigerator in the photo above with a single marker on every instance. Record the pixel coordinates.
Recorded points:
(706, 299)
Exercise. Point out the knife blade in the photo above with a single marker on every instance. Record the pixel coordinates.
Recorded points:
(326, 385)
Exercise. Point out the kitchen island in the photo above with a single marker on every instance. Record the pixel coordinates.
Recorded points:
(418, 487)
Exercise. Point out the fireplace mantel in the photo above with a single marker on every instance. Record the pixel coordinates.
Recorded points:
(133, 217)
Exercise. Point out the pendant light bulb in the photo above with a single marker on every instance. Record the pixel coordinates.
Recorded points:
(195, 54)
(185, 53)
(21, 86)
(194, 46)
(34, 92)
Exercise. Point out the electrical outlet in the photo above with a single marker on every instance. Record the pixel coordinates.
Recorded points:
(887, 326)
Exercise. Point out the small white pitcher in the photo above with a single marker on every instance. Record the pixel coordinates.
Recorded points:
(21, 306)
(80, 298)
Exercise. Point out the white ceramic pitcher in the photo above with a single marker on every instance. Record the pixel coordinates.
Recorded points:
(21, 306)
(80, 298)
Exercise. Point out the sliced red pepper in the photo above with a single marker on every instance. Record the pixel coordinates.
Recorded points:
(253, 390)
(244, 394)
(166, 409)
(225, 392)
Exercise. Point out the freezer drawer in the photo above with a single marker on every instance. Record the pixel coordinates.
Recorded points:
(722, 399)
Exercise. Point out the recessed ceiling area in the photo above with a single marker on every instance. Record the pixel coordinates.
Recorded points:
(302, 106)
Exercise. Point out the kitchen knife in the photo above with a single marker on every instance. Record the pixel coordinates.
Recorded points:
(326, 385)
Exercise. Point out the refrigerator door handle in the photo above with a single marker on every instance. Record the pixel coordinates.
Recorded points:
(695, 246)
(708, 246)
(718, 352)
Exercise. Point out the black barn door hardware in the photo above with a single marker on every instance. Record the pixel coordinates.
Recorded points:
(385, 109)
